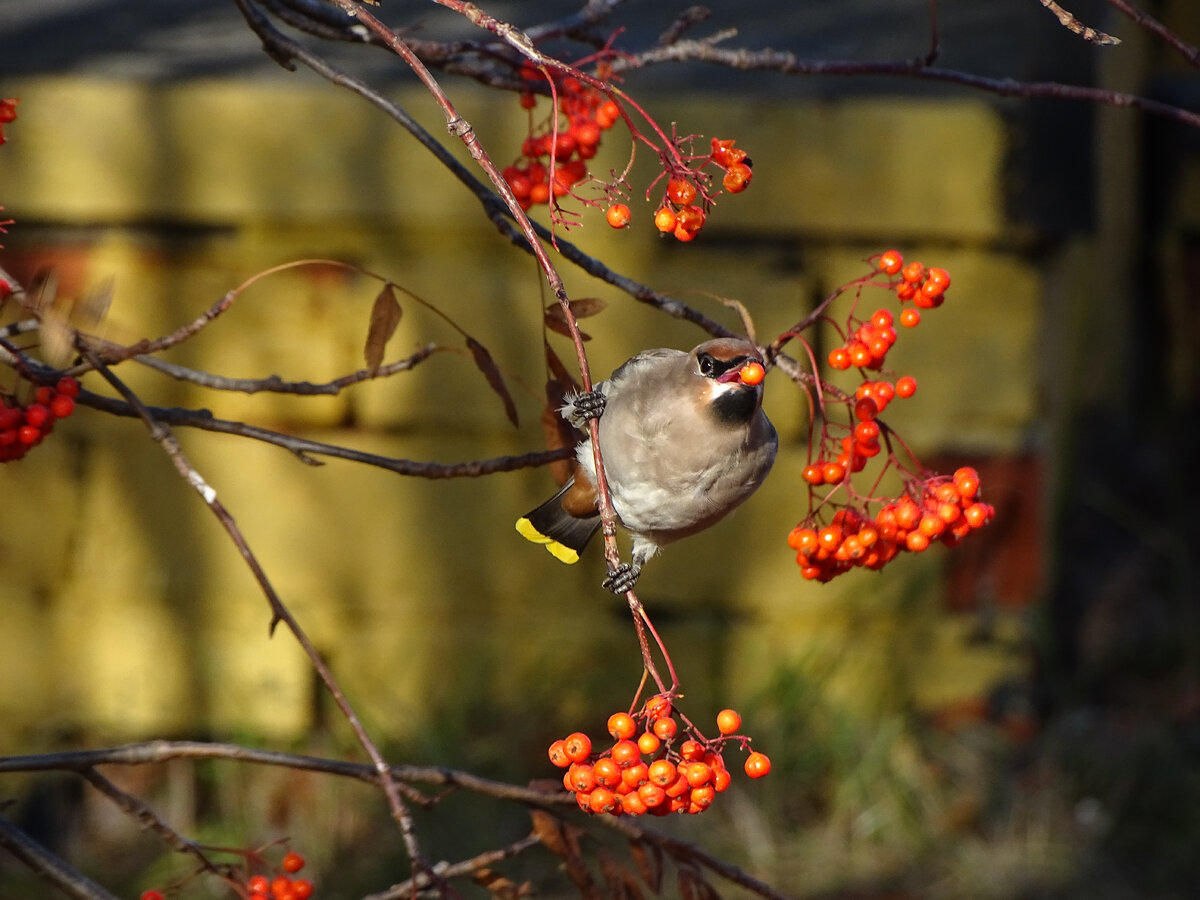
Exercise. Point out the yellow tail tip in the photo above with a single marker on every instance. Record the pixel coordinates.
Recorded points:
(561, 552)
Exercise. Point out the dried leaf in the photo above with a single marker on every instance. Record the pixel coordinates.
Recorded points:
(487, 366)
(496, 884)
(611, 872)
(743, 314)
(556, 319)
(385, 316)
(548, 828)
(649, 860)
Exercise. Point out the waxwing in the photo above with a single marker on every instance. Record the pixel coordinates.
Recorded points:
(684, 441)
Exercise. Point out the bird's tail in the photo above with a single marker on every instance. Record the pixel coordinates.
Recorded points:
(563, 534)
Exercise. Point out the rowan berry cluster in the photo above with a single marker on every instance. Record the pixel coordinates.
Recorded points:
(657, 771)
(282, 886)
(937, 509)
(23, 427)
(678, 212)
(845, 529)
(554, 155)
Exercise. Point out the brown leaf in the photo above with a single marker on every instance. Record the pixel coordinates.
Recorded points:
(556, 319)
(649, 860)
(385, 316)
(487, 366)
(548, 828)
(496, 884)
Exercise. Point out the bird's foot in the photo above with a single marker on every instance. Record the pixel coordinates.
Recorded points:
(622, 579)
(581, 407)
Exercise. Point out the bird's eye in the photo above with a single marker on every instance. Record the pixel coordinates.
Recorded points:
(707, 365)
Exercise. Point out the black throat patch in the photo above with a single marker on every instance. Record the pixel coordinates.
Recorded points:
(735, 407)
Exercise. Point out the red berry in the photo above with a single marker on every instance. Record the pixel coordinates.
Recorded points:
(259, 884)
(37, 415)
(618, 215)
(910, 318)
(757, 765)
(28, 434)
(43, 395)
(839, 359)
(728, 721)
(621, 726)
(152, 895)
(302, 888)
(61, 406)
(680, 191)
(293, 862)
(906, 386)
(891, 262)
(577, 746)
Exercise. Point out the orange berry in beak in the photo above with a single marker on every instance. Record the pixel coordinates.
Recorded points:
(752, 373)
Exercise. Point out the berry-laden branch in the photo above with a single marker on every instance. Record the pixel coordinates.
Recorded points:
(846, 526)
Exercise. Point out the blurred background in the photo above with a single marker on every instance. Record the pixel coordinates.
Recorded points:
(1015, 718)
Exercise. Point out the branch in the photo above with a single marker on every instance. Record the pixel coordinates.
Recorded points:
(1068, 21)
(787, 63)
(48, 867)
(279, 612)
(304, 448)
(1160, 31)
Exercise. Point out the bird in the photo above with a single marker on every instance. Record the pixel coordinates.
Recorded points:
(684, 441)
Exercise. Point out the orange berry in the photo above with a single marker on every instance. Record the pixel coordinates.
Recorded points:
(966, 482)
(648, 743)
(558, 754)
(691, 750)
(721, 780)
(752, 373)
(757, 765)
(663, 772)
(636, 775)
(621, 725)
(577, 746)
(698, 773)
(813, 475)
(913, 273)
(602, 800)
(633, 805)
(625, 753)
(939, 277)
(728, 721)
(658, 707)
(703, 795)
(665, 729)
(978, 514)
(906, 386)
(680, 191)
(580, 778)
(664, 219)
(737, 178)
(292, 862)
(839, 358)
(618, 215)
(833, 472)
(891, 262)
(910, 318)
(607, 772)
(652, 794)
(916, 542)
(302, 888)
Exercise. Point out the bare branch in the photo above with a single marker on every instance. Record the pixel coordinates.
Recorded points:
(1071, 23)
(49, 867)
(1188, 51)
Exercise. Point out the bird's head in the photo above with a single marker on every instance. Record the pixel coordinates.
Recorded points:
(732, 372)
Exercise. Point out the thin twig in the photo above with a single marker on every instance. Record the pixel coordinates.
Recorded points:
(1144, 20)
(446, 871)
(147, 818)
(1072, 24)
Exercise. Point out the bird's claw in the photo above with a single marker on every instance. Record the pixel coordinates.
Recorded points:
(622, 579)
(582, 407)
